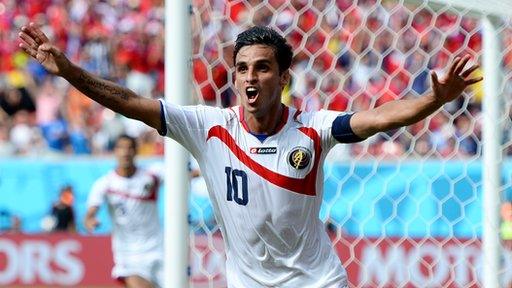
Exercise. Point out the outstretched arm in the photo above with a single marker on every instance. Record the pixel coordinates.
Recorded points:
(399, 113)
(111, 95)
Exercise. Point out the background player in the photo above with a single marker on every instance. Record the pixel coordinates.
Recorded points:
(266, 203)
(131, 194)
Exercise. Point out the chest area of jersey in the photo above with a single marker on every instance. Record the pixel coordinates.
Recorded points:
(137, 189)
(288, 160)
(293, 152)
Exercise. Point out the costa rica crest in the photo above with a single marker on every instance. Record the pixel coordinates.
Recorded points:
(299, 158)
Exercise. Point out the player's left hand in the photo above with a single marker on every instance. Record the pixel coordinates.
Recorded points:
(451, 85)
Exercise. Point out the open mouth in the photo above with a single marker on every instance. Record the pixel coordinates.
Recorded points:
(252, 93)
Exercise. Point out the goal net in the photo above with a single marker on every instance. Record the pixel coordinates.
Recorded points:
(404, 208)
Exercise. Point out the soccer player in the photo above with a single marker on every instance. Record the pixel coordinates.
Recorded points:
(262, 161)
(137, 240)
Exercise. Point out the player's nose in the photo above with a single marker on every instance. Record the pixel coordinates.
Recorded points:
(251, 76)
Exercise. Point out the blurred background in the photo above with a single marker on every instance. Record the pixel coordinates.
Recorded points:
(424, 181)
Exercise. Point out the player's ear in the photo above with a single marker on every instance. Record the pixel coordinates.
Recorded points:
(285, 78)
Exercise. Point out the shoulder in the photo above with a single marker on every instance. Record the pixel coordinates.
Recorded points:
(168, 106)
(313, 118)
(199, 112)
(149, 172)
(221, 115)
(105, 179)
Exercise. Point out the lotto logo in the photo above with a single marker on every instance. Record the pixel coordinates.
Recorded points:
(263, 150)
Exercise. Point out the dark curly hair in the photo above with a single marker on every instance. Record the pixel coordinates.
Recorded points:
(266, 36)
(127, 137)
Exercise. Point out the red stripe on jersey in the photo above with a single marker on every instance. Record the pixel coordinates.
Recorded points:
(150, 197)
(310, 180)
(306, 186)
(153, 195)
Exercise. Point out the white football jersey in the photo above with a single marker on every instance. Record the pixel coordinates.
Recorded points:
(132, 206)
(266, 194)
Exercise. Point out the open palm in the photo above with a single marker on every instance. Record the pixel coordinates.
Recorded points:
(451, 85)
(35, 43)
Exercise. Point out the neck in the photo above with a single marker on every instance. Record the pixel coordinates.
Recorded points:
(265, 124)
(126, 171)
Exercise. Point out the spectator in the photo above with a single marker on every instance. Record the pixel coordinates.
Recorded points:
(49, 101)
(5, 220)
(123, 42)
(63, 212)
(506, 224)
(9, 223)
(24, 135)
(56, 134)
(15, 225)
(467, 144)
(14, 99)
(6, 147)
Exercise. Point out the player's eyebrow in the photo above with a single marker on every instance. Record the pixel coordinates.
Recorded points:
(257, 62)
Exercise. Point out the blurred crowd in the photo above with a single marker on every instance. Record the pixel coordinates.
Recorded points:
(349, 55)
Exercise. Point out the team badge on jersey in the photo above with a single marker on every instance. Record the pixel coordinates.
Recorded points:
(263, 150)
(299, 158)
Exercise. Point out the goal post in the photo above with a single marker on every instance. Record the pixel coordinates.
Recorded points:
(177, 91)
(492, 153)
(491, 14)
(352, 55)
(493, 8)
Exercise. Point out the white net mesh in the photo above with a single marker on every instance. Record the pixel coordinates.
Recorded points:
(404, 208)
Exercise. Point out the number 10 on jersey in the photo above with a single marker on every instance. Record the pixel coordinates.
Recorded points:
(236, 179)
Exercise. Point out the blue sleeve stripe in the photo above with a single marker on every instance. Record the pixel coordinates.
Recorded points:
(163, 130)
(342, 131)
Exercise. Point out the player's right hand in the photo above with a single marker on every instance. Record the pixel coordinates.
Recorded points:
(35, 43)
(91, 224)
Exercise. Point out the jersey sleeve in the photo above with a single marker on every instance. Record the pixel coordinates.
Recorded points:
(322, 121)
(97, 194)
(188, 125)
(157, 169)
(333, 127)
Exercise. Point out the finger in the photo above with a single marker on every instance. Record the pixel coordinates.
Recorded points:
(25, 47)
(473, 81)
(454, 65)
(433, 78)
(466, 73)
(461, 64)
(37, 34)
(29, 30)
(27, 39)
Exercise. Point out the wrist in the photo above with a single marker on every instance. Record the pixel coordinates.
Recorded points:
(433, 101)
(70, 71)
